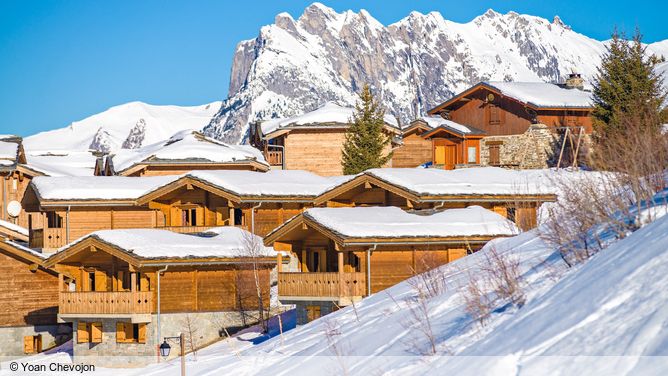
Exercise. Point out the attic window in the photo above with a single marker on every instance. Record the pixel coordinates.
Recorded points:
(494, 118)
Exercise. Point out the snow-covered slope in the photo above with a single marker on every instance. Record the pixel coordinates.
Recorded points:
(129, 125)
(294, 66)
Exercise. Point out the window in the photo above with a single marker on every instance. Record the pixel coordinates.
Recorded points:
(494, 155)
(127, 332)
(494, 116)
(472, 155)
(238, 217)
(315, 262)
(312, 312)
(354, 262)
(53, 220)
(32, 344)
(189, 217)
(89, 332)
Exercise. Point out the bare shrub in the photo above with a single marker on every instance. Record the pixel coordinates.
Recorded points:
(190, 332)
(254, 249)
(419, 321)
(333, 335)
(503, 273)
(477, 302)
(428, 277)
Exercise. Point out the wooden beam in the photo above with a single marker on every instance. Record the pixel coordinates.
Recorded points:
(279, 265)
(133, 282)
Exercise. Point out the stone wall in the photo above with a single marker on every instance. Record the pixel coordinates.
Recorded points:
(11, 338)
(532, 149)
(207, 327)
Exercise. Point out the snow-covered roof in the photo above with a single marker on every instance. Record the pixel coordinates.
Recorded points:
(281, 183)
(61, 163)
(228, 242)
(13, 227)
(329, 113)
(438, 121)
(97, 187)
(393, 222)
(8, 153)
(190, 146)
(466, 181)
(542, 94)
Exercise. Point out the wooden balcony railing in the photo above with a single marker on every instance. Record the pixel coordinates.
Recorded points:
(322, 284)
(48, 238)
(275, 158)
(96, 302)
(186, 229)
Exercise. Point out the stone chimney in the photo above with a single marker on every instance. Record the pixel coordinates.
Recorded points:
(575, 81)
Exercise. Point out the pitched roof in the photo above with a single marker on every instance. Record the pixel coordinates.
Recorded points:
(438, 121)
(391, 222)
(187, 147)
(162, 245)
(11, 151)
(539, 95)
(96, 187)
(328, 115)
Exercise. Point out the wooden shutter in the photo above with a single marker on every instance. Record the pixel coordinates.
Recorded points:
(494, 154)
(142, 333)
(129, 332)
(28, 347)
(120, 332)
(82, 332)
(100, 280)
(96, 332)
(199, 216)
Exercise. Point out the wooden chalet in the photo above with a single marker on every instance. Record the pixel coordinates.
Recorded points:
(312, 141)
(16, 176)
(525, 124)
(73, 207)
(124, 290)
(415, 150)
(28, 302)
(516, 195)
(347, 253)
(183, 152)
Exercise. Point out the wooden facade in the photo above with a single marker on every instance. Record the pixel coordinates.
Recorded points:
(28, 291)
(415, 149)
(106, 282)
(452, 149)
(341, 270)
(487, 108)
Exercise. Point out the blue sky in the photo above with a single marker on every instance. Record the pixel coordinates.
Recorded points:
(61, 61)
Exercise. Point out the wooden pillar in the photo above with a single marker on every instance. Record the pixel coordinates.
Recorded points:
(60, 282)
(340, 262)
(133, 282)
(303, 261)
(279, 263)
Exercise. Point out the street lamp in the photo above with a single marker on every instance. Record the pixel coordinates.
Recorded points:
(165, 348)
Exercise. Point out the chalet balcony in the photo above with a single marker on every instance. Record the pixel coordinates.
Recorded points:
(340, 287)
(49, 238)
(274, 157)
(186, 229)
(104, 303)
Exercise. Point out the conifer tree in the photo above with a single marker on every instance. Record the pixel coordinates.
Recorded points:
(626, 85)
(365, 140)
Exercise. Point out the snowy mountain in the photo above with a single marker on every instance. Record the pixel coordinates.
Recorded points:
(129, 125)
(294, 66)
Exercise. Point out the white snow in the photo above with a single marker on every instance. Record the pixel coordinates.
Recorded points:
(472, 181)
(187, 145)
(393, 222)
(438, 121)
(229, 242)
(61, 162)
(97, 187)
(541, 94)
(271, 183)
(14, 227)
(329, 113)
(161, 123)
(8, 151)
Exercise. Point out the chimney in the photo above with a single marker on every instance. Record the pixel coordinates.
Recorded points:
(575, 81)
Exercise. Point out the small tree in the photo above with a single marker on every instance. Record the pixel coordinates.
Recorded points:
(626, 78)
(365, 140)
(254, 248)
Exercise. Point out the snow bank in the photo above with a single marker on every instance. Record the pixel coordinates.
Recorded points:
(227, 242)
(392, 222)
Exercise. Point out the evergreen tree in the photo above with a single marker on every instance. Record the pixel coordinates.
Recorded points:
(365, 140)
(626, 85)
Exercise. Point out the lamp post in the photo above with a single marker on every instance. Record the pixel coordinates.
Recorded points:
(165, 349)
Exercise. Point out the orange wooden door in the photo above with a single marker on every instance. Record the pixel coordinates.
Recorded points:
(450, 153)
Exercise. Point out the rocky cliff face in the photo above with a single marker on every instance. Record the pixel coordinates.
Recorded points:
(296, 65)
